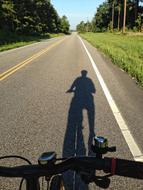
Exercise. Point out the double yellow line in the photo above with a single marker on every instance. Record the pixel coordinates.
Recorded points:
(27, 61)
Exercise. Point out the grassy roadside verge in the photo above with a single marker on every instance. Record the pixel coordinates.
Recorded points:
(124, 51)
(10, 41)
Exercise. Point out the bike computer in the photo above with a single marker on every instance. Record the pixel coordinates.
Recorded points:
(47, 158)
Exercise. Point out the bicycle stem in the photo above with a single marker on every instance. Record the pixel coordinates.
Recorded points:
(32, 183)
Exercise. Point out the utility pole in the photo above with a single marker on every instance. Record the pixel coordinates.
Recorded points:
(124, 19)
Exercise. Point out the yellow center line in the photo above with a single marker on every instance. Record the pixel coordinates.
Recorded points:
(27, 61)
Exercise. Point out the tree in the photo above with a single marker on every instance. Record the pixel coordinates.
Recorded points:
(7, 16)
(88, 26)
(113, 11)
(102, 17)
(119, 13)
(136, 9)
(81, 27)
(31, 17)
(26, 16)
(65, 26)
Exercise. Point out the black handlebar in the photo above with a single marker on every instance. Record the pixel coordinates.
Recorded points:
(73, 163)
(118, 167)
(128, 168)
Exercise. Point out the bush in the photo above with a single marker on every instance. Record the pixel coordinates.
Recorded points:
(139, 23)
(135, 29)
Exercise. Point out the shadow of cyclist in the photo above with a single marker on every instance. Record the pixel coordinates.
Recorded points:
(83, 89)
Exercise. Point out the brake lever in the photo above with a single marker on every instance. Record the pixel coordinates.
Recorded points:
(100, 181)
(87, 176)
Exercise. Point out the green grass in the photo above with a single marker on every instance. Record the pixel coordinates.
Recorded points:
(124, 51)
(10, 41)
(15, 45)
(56, 35)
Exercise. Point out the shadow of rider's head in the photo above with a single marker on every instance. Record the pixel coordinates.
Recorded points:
(84, 73)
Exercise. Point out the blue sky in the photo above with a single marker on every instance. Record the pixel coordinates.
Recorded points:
(76, 10)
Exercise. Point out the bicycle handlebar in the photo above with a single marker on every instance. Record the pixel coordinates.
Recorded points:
(128, 168)
(118, 167)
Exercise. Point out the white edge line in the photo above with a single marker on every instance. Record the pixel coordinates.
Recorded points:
(136, 152)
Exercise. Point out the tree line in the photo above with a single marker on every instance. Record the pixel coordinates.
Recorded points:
(31, 17)
(115, 14)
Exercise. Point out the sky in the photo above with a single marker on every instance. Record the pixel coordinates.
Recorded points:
(77, 10)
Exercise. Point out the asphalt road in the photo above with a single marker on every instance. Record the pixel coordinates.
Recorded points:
(37, 115)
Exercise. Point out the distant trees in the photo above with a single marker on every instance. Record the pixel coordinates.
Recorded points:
(65, 25)
(116, 14)
(31, 17)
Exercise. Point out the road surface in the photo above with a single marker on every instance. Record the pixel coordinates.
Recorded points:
(37, 115)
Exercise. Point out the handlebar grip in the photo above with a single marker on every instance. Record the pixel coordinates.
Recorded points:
(128, 168)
